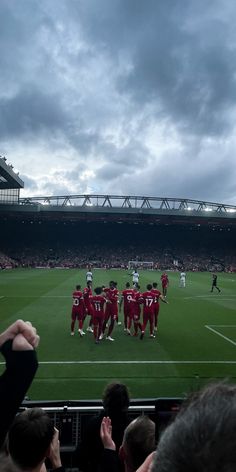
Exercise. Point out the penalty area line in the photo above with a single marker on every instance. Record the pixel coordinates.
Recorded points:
(221, 335)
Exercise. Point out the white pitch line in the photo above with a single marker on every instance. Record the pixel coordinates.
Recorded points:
(224, 326)
(131, 362)
(206, 297)
(221, 335)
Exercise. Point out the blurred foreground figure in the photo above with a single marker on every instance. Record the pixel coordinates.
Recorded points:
(203, 436)
(17, 345)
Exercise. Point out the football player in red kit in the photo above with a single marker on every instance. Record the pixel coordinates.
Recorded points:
(148, 300)
(158, 296)
(87, 292)
(136, 310)
(78, 311)
(98, 301)
(164, 283)
(111, 310)
(127, 297)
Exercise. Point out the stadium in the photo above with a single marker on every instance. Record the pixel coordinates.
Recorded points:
(48, 244)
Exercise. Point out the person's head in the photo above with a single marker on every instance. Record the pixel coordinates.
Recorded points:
(203, 434)
(98, 290)
(29, 438)
(78, 287)
(115, 398)
(154, 285)
(127, 284)
(149, 286)
(138, 442)
(111, 284)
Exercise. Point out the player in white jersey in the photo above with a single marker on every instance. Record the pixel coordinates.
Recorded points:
(89, 276)
(182, 280)
(135, 278)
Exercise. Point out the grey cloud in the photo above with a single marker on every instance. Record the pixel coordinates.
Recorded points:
(181, 56)
(30, 111)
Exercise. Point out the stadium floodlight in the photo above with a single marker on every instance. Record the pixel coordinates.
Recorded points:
(208, 209)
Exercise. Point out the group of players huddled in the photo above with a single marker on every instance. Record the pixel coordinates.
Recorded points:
(102, 307)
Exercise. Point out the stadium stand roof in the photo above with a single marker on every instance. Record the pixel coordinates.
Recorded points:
(8, 178)
(121, 209)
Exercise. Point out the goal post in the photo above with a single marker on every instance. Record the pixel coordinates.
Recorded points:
(148, 265)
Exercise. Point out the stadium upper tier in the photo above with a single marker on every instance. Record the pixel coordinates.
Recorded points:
(133, 209)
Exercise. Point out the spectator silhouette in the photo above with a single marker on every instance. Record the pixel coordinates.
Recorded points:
(17, 345)
(115, 405)
(31, 439)
(138, 442)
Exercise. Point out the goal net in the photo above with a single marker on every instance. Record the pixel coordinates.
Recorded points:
(140, 265)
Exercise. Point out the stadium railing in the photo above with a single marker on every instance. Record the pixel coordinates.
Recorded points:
(71, 417)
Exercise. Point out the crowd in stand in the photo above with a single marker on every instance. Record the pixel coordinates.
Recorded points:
(106, 256)
(201, 438)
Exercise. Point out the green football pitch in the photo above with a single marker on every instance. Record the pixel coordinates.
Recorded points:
(196, 339)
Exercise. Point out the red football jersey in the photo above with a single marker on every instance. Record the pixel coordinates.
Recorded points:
(112, 295)
(148, 299)
(78, 298)
(164, 279)
(87, 296)
(157, 294)
(128, 295)
(98, 302)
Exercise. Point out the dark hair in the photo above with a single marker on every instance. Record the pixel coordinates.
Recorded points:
(98, 290)
(127, 284)
(154, 285)
(203, 434)
(78, 287)
(139, 441)
(115, 398)
(149, 286)
(29, 437)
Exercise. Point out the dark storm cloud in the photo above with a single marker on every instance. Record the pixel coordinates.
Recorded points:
(28, 112)
(181, 54)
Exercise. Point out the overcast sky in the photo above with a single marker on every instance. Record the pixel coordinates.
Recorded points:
(130, 97)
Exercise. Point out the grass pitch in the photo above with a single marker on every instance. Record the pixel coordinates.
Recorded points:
(196, 337)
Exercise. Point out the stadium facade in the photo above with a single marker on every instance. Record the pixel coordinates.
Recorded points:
(176, 224)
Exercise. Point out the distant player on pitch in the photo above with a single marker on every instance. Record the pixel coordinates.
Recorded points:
(182, 279)
(214, 283)
(164, 283)
(135, 277)
(89, 276)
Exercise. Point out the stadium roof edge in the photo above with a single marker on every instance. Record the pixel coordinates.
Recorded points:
(8, 178)
(129, 201)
